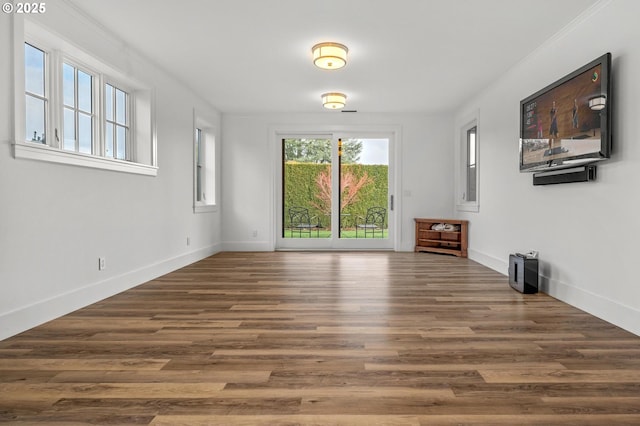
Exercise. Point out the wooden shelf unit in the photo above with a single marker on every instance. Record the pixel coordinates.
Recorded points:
(448, 242)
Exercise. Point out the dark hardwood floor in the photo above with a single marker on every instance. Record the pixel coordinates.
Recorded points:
(324, 338)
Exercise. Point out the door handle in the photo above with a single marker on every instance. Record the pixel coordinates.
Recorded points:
(391, 202)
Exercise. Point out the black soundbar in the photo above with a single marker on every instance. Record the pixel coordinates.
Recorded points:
(574, 174)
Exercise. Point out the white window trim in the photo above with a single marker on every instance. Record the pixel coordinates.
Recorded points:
(32, 151)
(59, 50)
(207, 130)
(461, 164)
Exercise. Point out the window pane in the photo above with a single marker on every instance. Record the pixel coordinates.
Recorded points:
(121, 136)
(35, 113)
(198, 145)
(472, 147)
(358, 176)
(69, 130)
(307, 202)
(109, 140)
(121, 110)
(198, 165)
(34, 70)
(471, 164)
(68, 85)
(84, 133)
(198, 182)
(108, 95)
(84, 91)
(471, 183)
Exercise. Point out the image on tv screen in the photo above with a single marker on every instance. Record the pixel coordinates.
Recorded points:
(559, 123)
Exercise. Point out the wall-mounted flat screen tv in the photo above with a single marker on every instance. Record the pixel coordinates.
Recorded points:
(568, 123)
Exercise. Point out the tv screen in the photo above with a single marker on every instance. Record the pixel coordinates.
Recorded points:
(568, 122)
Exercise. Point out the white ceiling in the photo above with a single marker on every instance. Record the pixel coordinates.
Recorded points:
(404, 55)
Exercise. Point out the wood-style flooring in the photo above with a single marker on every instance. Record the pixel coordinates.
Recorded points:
(324, 338)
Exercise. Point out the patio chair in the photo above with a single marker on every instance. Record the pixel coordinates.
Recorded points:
(373, 223)
(301, 222)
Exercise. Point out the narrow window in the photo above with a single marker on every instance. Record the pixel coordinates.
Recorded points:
(467, 167)
(199, 165)
(471, 165)
(78, 117)
(116, 123)
(35, 94)
(204, 166)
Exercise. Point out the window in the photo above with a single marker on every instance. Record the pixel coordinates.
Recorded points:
(78, 119)
(204, 157)
(199, 165)
(471, 164)
(36, 100)
(78, 110)
(468, 163)
(116, 122)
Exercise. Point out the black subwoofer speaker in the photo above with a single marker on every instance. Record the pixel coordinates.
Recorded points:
(523, 273)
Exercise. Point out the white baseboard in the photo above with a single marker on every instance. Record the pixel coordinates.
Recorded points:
(247, 246)
(608, 310)
(498, 265)
(22, 319)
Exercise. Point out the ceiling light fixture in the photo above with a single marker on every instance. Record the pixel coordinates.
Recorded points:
(329, 56)
(334, 100)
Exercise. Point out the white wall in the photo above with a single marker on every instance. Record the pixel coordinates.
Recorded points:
(587, 233)
(249, 168)
(56, 220)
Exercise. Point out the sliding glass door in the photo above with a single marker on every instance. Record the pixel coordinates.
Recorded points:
(335, 193)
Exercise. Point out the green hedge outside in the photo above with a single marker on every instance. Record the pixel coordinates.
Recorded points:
(301, 189)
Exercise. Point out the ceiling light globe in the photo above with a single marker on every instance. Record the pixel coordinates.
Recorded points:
(334, 100)
(329, 56)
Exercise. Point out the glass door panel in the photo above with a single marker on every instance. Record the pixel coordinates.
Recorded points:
(306, 187)
(364, 187)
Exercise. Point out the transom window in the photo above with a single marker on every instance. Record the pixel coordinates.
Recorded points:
(78, 110)
(79, 100)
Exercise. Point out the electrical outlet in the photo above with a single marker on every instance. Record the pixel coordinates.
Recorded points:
(102, 264)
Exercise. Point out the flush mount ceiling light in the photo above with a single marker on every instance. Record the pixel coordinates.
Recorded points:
(329, 56)
(334, 100)
(597, 103)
